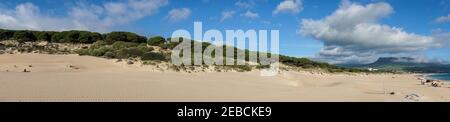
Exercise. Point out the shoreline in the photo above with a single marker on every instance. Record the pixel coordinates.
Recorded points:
(429, 76)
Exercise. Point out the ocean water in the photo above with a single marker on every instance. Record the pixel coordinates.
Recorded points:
(440, 76)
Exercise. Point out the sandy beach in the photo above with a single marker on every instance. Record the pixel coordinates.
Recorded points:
(86, 78)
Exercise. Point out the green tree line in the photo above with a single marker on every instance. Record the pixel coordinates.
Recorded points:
(128, 44)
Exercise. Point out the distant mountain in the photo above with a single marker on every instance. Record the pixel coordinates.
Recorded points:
(404, 64)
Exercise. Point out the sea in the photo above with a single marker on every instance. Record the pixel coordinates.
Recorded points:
(440, 76)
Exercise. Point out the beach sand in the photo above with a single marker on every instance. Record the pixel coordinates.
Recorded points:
(86, 78)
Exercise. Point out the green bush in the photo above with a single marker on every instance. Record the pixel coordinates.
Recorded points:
(153, 56)
(133, 52)
(110, 55)
(122, 50)
(259, 66)
(143, 45)
(98, 44)
(88, 37)
(241, 68)
(42, 35)
(100, 51)
(82, 52)
(6, 34)
(156, 41)
(2, 47)
(24, 36)
(125, 37)
(122, 45)
(170, 45)
(145, 48)
(73, 36)
(57, 37)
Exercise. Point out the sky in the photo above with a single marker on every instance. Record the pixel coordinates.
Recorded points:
(334, 31)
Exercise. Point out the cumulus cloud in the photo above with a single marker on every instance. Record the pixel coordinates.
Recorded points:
(83, 16)
(226, 15)
(352, 34)
(28, 16)
(289, 6)
(442, 37)
(245, 4)
(443, 19)
(250, 14)
(179, 14)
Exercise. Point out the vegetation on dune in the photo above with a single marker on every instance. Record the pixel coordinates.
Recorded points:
(125, 45)
(123, 50)
(112, 37)
(156, 41)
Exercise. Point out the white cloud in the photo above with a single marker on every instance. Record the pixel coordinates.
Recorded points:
(82, 16)
(27, 16)
(179, 14)
(352, 34)
(289, 6)
(443, 19)
(227, 15)
(245, 4)
(250, 14)
(442, 37)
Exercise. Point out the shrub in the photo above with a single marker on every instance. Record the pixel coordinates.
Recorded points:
(242, 68)
(71, 36)
(82, 52)
(57, 37)
(96, 36)
(145, 48)
(88, 37)
(100, 51)
(98, 44)
(129, 52)
(259, 66)
(6, 34)
(109, 55)
(153, 56)
(124, 36)
(170, 45)
(42, 35)
(143, 45)
(156, 41)
(122, 45)
(24, 36)
(2, 47)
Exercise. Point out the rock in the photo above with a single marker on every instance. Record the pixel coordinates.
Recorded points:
(392, 93)
(25, 70)
(130, 62)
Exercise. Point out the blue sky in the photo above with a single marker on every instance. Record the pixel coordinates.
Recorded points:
(424, 21)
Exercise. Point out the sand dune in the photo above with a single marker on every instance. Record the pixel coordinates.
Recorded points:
(85, 78)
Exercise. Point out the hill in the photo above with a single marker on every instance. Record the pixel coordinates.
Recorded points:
(405, 64)
(128, 45)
